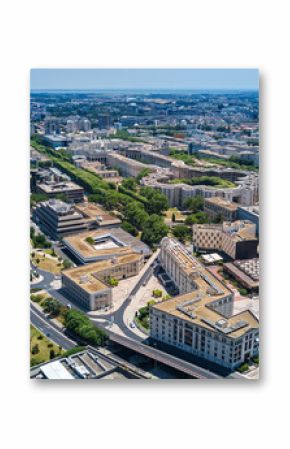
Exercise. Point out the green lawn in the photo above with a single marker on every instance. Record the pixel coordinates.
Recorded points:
(38, 342)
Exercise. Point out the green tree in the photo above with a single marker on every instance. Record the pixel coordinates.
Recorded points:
(129, 183)
(182, 233)
(195, 204)
(128, 227)
(67, 264)
(154, 230)
(51, 306)
(157, 204)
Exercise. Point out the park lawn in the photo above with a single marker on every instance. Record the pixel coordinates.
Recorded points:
(47, 264)
(37, 338)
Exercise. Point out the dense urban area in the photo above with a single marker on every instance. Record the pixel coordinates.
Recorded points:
(144, 235)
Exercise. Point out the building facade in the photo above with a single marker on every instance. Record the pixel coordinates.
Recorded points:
(236, 239)
(201, 321)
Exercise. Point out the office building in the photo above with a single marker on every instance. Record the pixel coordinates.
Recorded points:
(236, 239)
(89, 286)
(57, 219)
(103, 244)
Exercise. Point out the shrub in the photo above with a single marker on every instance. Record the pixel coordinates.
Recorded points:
(90, 240)
(35, 349)
(51, 354)
(243, 291)
(36, 298)
(113, 282)
(74, 350)
(157, 293)
(243, 368)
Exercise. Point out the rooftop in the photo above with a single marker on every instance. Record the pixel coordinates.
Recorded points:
(197, 306)
(92, 211)
(222, 203)
(58, 187)
(107, 242)
(88, 276)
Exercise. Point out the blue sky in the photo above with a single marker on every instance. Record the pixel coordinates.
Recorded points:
(191, 79)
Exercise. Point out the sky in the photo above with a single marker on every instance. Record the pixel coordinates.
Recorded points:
(189, 79)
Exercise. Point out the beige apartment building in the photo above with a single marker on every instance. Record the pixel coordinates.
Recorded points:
(200, 321)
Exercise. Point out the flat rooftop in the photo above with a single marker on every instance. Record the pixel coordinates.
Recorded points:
(92, 211)
(58, 187)
(87, 276)
(106, 242)
(196, 307)
(86, 364)
(222, 203)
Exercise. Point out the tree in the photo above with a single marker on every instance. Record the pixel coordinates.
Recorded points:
(157, 204)
(78, 323)
(154, 230)
(173, 218)
(194, 204)
(51, 354)
(190, 220)
(66, 264)
(182, 233)
(35, 349)
(51, 306)
(129, 183)
(135, 214)
(128, 227)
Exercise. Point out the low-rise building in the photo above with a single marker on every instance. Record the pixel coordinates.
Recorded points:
(236, 239)
(127, 167)
(73, 192)
(250, 213)
(200, 320)
(246, 272)
(217, 206)
(89, 363)
(89, 286)
(101, 244)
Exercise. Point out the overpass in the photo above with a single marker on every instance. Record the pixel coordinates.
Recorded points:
(162, 357)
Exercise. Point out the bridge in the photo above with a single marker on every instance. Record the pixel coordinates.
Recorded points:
(163, 357)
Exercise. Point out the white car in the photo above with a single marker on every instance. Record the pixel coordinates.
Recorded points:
(132, 325)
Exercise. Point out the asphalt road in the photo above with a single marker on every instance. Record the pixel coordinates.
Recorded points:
(48, 329)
